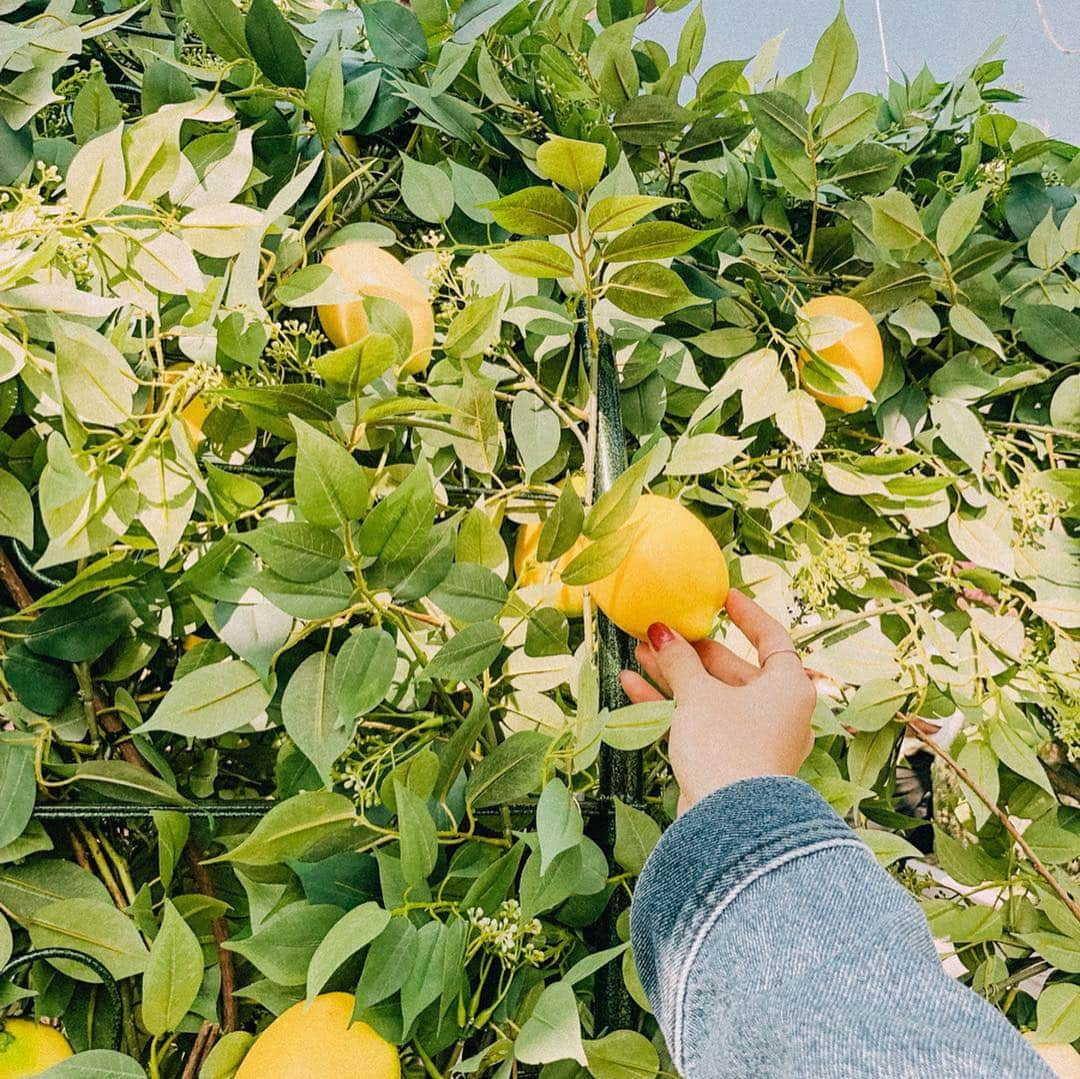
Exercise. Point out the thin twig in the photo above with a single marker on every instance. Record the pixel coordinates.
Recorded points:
(221, 935)
(18, 591)
(1048, 30)
(204, 1042)
(969, 781)
(881, 36)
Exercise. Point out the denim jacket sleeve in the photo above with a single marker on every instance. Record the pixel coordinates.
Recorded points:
(771, 943)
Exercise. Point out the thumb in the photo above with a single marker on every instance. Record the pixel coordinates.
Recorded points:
(679, 663)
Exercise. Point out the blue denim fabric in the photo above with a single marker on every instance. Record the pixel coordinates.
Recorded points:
(771, 943)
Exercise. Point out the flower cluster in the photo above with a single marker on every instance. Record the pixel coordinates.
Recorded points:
(1033, 507)
(508, 935)
(839, 562)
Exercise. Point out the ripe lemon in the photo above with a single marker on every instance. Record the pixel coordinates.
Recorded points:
(530, 571)
(674, 572)
(859, 350)
(372, 271)
(1062, 1058)
(317, 1042)
(28, 1048)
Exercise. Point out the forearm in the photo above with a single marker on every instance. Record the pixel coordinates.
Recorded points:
(770, 942)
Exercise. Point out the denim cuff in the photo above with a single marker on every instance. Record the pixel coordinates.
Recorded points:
(733, 835)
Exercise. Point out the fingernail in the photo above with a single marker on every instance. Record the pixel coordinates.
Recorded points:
(659, 635)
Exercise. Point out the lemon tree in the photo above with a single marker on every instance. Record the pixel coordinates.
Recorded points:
(249, 559)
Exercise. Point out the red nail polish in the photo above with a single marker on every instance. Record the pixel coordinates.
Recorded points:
(659, 635)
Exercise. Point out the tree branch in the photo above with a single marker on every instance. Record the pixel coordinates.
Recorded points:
(1048, 30)
(969, 781)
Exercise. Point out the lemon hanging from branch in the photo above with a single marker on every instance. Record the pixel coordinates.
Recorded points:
(857, 350)
(372, 271)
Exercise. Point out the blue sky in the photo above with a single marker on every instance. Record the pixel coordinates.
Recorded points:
(946, 34)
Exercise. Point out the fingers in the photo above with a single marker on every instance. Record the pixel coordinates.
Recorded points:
(637, 689)
(677, 661)
(722, 663)
(762, 630)
(647, 658)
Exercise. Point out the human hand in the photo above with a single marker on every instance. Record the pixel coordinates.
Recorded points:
(732, 720)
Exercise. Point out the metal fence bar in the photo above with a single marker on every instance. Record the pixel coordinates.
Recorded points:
(620, 773)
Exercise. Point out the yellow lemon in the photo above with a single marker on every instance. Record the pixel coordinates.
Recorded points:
(29, 1048)
(318, 1042)
(674, 572)
(371, 270)
(859, 350)
(194, 413)
(529, 570)
(1062, 1059)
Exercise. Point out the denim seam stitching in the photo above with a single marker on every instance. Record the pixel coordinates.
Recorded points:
(710, 921)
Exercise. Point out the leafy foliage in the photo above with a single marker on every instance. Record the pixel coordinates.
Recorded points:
(261, 567)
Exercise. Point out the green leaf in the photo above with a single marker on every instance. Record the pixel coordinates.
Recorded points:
(470, 593)
(96, 380)
(535, 211)
(967, 324)
(636, 726)
(616, 212)
(395, 34)
(558, 822)
(599, 558)
(553, 1030)
(867, 169)
(649, 120)
(325, 96)
(873, 704)
(896, 221)
(467, 654)
(296, 550)
(890, 287)
(654, 240)
(273, 45)
(835, 60)
(95, 109)
(292, 827)
(888, 847)
(363, 672)
(617, 504)
(424, 981)
(622, 1054)
(95, 1064)
(309, 712)
(81, 630)
(284, 944)
(388, 963)
(851, 120)
(562, 526)
(356, 930)
(475, 17)
(536, 430)
(18, 789)
(331, 487)
(510, 771)
(475, 326)
(636, 833)
(16, 151)
(126, 782)
(16, 510)
(220, 25)
(781, 120)
(959, 218)
(91, 926)
(1058, 1014)
(173, 974)
(1051, 332)
(571, 163)
(427, 190)
(534, 258)
(400, 524)
(647, 290)
(211, 701)
(419, 841)
(172, 830)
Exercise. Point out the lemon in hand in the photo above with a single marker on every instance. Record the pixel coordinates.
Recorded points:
(370, 270)
(674, 572)
(29, 1048)
(858, 350)
(320, 1042)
